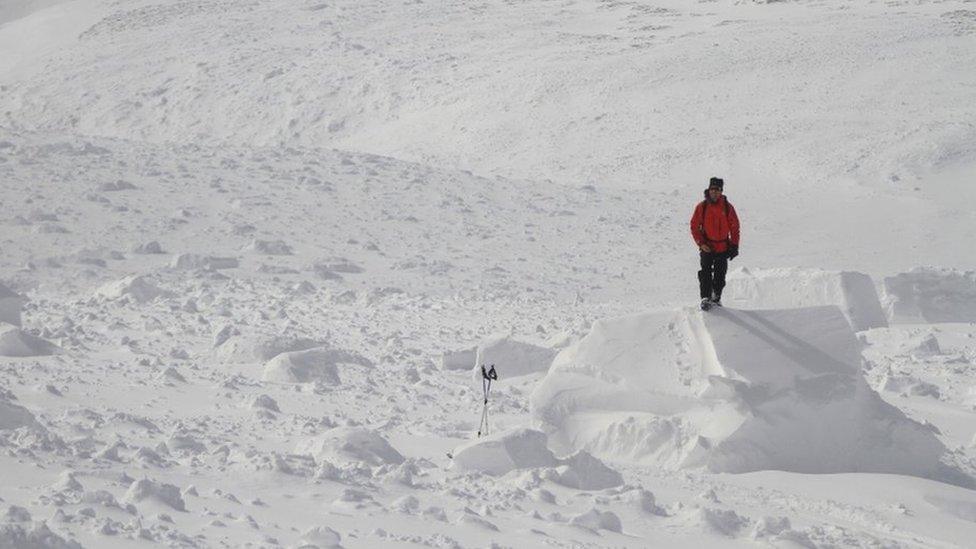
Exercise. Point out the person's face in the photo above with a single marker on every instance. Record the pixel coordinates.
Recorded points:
(714, 193)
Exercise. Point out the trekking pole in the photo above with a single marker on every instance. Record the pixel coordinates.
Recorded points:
(487, 375)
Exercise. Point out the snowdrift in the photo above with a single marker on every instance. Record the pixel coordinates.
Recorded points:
(927, 294)
(854, 293)
(730, 391)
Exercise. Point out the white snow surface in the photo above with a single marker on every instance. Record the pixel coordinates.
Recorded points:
(250, 251)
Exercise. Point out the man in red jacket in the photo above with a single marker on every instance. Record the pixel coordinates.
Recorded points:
(715, 228)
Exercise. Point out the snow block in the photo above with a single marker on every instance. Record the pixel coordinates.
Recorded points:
(730, 391)
(318, 364)
(459, 360)
(260, 347)
(512, 358)
(15, 342)
(196, 261)
(14, 416)
(159, 492)
(854, 293)
(928, 294)
(523, 448)
(503, 452)
(11, 304)
(350, 444)
(585, 472)
(137, 287)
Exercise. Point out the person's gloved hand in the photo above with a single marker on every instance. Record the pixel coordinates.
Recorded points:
(733, 251)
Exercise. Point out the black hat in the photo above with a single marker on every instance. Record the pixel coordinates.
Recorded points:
(716, 182)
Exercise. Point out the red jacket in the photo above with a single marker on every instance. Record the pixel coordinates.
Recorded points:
(710, 225)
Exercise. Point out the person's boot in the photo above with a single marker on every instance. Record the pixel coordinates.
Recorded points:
(706, 304)
(717, 299)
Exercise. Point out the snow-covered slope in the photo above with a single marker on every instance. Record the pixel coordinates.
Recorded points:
(250, 251)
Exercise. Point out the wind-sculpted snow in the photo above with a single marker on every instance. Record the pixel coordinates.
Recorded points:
(731, 391)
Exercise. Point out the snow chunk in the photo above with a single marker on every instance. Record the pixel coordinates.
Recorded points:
(350, 444)
(207, 262)
(13, 416)
(928, 294)
(264, 402)
(503, 452)
(137, 287)
(115, 186)
(318, 364)
(148, 248)
(853, 292)
(598, 520)
(511, 357)
(160, 492)
(459, 360)
(523, 448)
(11, 305)
(18, 343)
(730, 391)
(322, 537)
(585, 472)
(269, 247)
(260, 347)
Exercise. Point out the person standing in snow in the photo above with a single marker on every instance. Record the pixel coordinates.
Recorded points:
(715, 228)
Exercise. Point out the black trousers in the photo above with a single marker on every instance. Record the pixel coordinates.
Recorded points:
(711, 277)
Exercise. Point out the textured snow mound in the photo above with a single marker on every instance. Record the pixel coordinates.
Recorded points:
(523, 448)
(136, 287)
(511, 357)
(853, 292)
(18, 343)
(318, 364)
(350, 445)
(730, 391)
(10, 306)
(927, 294)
